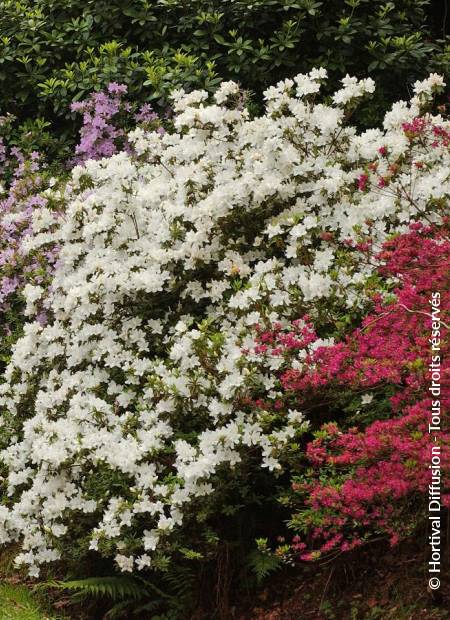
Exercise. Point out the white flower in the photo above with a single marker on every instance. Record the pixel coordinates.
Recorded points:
(366, 399)
(150, 540)
(225, 90)
(125, 563)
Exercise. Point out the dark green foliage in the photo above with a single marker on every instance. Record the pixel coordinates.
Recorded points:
(124, 596)
(263, 563)
(56, 51)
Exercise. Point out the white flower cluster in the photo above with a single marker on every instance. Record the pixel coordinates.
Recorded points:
(168, 259)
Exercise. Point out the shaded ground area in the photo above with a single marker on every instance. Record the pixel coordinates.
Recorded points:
(377, 584)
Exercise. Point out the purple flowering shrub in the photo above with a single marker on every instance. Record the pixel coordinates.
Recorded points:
(24, 195)
(107, 118)
(29, 184)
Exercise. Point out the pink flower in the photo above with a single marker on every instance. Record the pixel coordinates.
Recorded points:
(362, 181)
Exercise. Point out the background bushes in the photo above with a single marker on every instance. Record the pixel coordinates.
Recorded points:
(56, 51)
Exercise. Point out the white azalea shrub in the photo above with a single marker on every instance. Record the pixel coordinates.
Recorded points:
(127, 408)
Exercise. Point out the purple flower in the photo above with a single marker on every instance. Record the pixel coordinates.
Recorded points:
(145, 114)
(117, 89)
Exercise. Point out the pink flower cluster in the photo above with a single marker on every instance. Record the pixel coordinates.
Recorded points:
(383, 170)
(419, 126)
(372, 478)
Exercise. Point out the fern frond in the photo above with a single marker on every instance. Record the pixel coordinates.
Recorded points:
(181, 580)
(262, 564)
(115, 588)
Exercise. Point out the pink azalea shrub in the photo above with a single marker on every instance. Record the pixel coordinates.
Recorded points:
(368, 480)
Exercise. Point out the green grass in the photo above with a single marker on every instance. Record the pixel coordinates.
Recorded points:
(18, 603)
